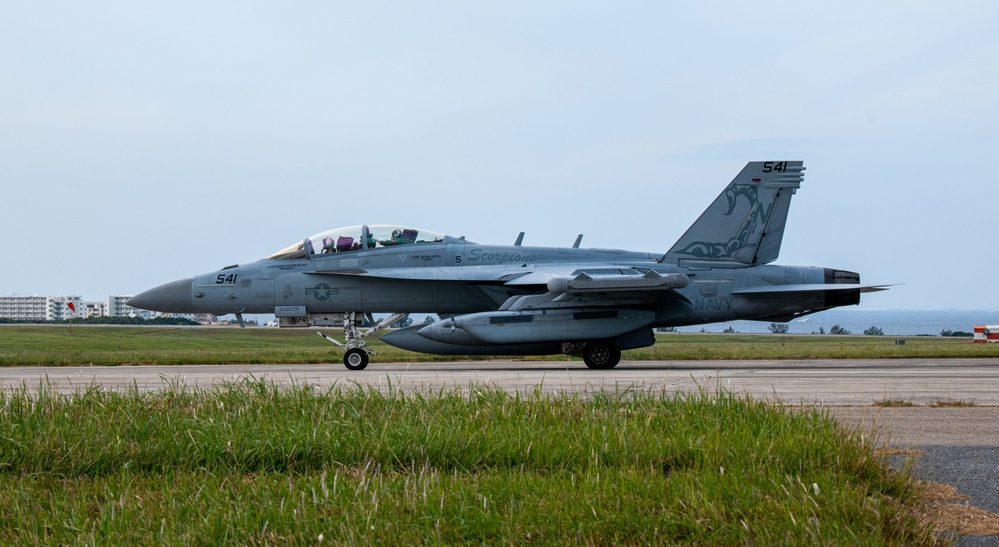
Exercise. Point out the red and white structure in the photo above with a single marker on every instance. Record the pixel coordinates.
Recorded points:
(986, 333)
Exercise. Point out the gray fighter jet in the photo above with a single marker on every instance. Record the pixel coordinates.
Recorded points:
(518, 300)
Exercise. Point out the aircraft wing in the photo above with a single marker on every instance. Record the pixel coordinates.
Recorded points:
(566, 285)
(496, 273)
(583, 277)
(598, 288)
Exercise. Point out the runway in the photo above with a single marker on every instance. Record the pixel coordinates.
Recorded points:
(955, 401)
(818, 382)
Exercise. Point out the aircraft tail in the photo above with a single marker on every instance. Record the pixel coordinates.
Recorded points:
(744, 225)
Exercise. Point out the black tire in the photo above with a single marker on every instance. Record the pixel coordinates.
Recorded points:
(601, 355)
(355, 359)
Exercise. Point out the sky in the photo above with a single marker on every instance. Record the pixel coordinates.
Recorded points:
(145, 142)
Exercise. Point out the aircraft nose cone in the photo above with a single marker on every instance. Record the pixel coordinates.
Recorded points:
(175, 297)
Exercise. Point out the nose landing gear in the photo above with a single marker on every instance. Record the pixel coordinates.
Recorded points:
(356, 357)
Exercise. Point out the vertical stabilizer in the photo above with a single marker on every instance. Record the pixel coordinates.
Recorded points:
(745, 224)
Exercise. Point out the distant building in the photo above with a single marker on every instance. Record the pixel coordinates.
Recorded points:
(56, 308)
(42, 308)
(115, 306)
(24, 308)
(204, 318)
(62, 308)
(93, 309)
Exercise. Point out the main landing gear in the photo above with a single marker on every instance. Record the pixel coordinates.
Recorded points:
(601, 354)
(597, 354)
(356, 357)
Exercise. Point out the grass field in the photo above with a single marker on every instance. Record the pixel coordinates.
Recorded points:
(104, 345)
(249, 463)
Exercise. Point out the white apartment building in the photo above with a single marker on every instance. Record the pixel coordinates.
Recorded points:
(24, 308)
(56, 308)
(42, 308)
(115, 306)
(60, 309)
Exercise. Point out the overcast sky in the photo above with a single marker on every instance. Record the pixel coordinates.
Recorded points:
(143, 142)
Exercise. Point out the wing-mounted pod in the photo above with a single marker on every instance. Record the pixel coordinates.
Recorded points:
(527, 327)
(586, 290)
(584, 283)
(581, 307)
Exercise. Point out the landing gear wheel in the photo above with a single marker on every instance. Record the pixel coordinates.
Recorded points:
(355, 359)
(601, 355)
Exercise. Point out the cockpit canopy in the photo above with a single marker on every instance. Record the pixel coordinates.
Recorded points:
(355, 238)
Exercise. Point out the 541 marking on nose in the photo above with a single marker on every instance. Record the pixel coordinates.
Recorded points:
(226, 279)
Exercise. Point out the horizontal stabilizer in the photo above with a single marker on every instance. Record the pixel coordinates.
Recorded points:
(812, 287)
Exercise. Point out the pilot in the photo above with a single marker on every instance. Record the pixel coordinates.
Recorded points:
(394, 240)
(329, 246)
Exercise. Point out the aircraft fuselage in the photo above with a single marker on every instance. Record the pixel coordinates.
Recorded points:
(352, 284)
(512, 299)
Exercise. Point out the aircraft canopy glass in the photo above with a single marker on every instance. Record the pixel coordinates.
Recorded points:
(355, 238)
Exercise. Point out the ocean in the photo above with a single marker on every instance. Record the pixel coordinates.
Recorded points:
(856, 320)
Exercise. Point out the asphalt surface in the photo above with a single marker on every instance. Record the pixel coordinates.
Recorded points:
(819, 382)
(955, 421)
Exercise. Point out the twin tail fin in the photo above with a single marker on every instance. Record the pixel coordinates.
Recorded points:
(744, 225)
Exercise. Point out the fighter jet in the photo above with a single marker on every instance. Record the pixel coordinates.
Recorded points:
(520, 300)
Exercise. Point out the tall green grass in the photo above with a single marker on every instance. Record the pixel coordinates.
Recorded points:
(250, 463)
(106, 345)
